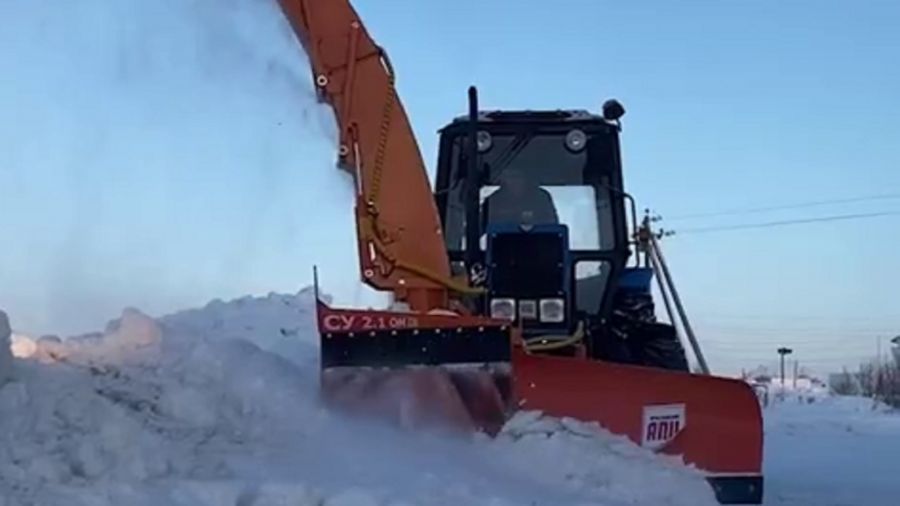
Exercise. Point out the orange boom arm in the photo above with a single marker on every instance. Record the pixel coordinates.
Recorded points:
(401, 247)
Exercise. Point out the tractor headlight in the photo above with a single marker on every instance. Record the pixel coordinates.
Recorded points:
(528, 309)
(553, 310)
(503, 309)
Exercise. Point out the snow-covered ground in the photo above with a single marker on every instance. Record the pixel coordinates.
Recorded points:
(218, 406)
(831, 451)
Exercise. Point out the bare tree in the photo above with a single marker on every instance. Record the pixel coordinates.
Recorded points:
(868, 379)
(881, 381)
(844, 384)
(890, 385)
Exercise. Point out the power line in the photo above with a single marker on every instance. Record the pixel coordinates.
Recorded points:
(769, 224)
(782, 207)
(799, 329)
(744, 342)
(793, 317)
(832, 350)
(812, 332)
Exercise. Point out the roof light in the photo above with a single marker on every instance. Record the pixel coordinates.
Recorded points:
(484, 141)
(576, 140)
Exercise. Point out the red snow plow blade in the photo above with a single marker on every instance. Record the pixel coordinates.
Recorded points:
(713, 423)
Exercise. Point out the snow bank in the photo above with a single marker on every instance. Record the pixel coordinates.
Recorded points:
(218, 406)
(277, 323)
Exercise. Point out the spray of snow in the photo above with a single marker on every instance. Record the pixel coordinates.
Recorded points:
(218, 405)
(161, 154)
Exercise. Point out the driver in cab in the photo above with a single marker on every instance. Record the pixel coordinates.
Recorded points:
(519, 201)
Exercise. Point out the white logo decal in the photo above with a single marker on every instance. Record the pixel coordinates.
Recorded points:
(661, 424)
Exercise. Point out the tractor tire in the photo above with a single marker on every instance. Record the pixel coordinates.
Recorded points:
(657, 345)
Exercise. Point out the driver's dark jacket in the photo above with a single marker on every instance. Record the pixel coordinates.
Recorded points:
(534, 206)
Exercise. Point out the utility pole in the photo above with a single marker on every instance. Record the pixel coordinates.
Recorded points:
(796, 369)
(782, 352)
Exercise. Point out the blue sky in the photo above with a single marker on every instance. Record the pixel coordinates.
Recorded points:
(130, 181)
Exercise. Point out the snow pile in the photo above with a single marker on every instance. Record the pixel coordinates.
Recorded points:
(277, 323)
(218, 406)
(588, 458)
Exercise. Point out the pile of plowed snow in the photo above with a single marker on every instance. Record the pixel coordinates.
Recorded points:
(218, 406)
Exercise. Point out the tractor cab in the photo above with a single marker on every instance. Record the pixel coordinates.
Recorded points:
(533, 211)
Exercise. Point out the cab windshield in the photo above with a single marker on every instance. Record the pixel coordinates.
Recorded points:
(534, 180)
